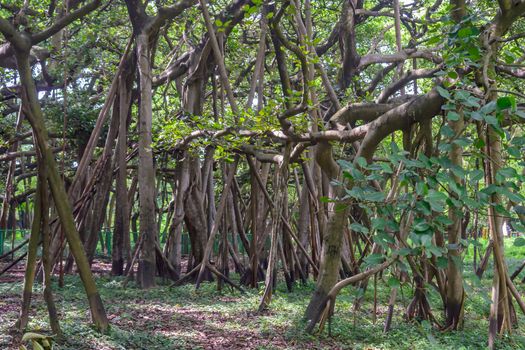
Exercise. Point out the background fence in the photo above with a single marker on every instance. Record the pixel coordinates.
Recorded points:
(7, 237)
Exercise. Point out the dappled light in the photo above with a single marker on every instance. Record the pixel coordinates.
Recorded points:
(262, 174)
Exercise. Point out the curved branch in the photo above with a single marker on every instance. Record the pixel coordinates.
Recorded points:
(64, 21)
(327, 306)
(397, 57)
(404, 80)
(361, 111)
(422, 108)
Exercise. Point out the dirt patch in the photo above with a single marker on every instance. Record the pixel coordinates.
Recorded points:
(191, 325)
(14, 274)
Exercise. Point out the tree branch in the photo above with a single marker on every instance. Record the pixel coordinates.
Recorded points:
(64, 21)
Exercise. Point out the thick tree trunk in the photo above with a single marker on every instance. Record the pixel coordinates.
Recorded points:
(330, 261)
(195, 217)
(121, 228)
(455, 293)
(146, 171)
(194, 199)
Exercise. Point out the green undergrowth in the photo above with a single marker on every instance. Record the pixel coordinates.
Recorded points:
(183, 318)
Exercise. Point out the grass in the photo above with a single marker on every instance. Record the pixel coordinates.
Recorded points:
(182, 318)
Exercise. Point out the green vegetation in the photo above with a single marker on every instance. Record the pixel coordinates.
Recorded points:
(262, 174)
(182, 318)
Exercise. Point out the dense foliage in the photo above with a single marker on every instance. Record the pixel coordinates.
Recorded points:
(334, 142)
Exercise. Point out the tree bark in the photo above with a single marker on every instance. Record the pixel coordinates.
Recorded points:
(35, 117)
(146, 171)
(121, 228)
(29, 275)
(455, 293)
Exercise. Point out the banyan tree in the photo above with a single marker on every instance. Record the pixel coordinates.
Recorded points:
(248, 142)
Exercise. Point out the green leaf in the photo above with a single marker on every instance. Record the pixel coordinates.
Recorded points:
(378, 223)
(490, 120)
(447, 131)
(514, 151)
(520, 114)
(436, 200)
(442, 262)
(518, 226)
(403, 251)
(453, 116)
(505, 102)
(324, 199)
(479, 143)
(448, 107)
(434, 40)
(462, 141)
(426, 240)
(437, 251)
(472, 102)
(508, 57)
(443, 92)
(358, 228)
(443, 220)
(452, 75)
(375, 196)
(421, 226)
(519, 242)
(385, 168)
(514, 197)
(508, 172)
(421, 188)
(471, 203)
(488, 108)
(519, 209)
(476, 115)
(393, 282)
(37, 346)
(32, 336)
(374, 259)
(356, 174)
(345, 165)
(340, 206)
(361, 162)
(465, 32)
(474, 53)
(383, 239)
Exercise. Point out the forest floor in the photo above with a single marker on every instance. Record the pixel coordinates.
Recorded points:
(182, 318)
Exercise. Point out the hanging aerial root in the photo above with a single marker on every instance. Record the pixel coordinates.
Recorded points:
(518, 270)
(327, 313)
(12, 251)
(210, 267)
(187, 276)
(515, 294)
(419, 308)
(16, 261)
(327, 306)
(226, 279)
(456, 323)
